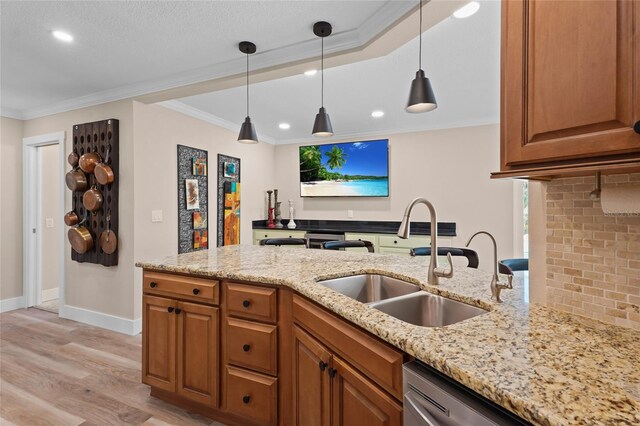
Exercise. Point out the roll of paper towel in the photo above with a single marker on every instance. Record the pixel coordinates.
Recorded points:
(621, 200)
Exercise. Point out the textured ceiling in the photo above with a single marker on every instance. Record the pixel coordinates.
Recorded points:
(135, 47)
(461, 57)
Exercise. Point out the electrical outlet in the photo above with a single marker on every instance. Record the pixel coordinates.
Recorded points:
(350, 214)
(156, 215)
(49, 222)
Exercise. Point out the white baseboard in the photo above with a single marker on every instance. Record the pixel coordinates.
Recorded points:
(7, 305)
(52, 293)
(99, 319)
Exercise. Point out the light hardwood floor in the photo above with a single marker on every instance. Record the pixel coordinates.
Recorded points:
(59, 372)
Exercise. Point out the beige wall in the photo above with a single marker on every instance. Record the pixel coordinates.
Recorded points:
(592, 260)
(50, 206)
(10, 208)
(98, 288)
(449, 167)
(157, 132)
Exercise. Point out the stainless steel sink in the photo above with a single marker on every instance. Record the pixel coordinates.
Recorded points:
(428, 310)
(370, 287)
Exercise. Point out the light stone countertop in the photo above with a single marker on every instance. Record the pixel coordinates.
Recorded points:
(549, 367)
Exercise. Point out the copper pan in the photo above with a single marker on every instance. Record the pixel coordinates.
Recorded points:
(92, 199)
(76, 180)
(89, 160)
(71, 218)
(103, 172)
(80, 237)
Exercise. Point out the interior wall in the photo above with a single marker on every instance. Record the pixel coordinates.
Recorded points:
(10, 208)
(107, 290)
(449, 167)
(50, 209)
(157, 132)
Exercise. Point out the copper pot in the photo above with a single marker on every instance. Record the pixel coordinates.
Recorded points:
(80, 239)
(76, 180)
(108, 241)
(103, 172)
(73, 159)
(89, 160)
(92, 199)
(71, 218)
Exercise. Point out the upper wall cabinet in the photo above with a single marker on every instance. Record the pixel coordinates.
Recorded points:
(570, 90)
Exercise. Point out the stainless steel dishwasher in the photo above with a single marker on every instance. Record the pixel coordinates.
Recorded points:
(432, 399)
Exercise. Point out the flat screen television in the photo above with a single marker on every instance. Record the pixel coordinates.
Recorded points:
(353, 169)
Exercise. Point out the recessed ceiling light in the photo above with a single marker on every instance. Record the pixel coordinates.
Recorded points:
(61, 35)
(309, 73)
(467, 10)
(377, 114)
(284, 126)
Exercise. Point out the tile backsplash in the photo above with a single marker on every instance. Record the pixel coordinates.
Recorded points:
(593, 260)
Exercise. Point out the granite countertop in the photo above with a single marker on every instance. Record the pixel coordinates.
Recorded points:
(548, 367)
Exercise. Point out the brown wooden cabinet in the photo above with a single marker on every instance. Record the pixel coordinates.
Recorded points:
(159, 343)
(570, 92)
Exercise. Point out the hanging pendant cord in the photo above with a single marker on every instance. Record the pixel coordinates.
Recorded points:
(420, 54)
(247, 84)
(322, 73)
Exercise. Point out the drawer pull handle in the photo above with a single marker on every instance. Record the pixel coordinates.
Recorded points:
(246, 303)
(636, 127)
(395, 241)
(178, 310)
(246, 347)
(323, 365)
(332, 372)
(170, 309)
(153, 284)
(246, 399)
(196, 291)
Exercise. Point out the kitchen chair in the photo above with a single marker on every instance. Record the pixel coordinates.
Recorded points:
(471, 255)
(507, 266)
(283, 242)
(337, 245)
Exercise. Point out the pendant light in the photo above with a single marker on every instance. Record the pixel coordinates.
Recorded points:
(322, 125)
(247, 130)
(421, 96)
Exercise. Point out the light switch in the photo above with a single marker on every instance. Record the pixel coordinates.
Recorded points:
(156, 215)
(49, 222)
(350, 214)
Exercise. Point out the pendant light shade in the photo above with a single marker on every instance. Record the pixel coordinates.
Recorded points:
(247, 130)
(322, 125)
(421, 96)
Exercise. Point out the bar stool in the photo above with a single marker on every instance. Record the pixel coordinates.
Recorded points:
(471, 255)
(337, 245)
(507, 266)
(283, 242)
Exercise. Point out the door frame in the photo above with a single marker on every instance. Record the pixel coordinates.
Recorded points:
(31, 196)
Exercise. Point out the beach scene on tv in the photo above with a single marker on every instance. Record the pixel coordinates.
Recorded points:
(355, 169)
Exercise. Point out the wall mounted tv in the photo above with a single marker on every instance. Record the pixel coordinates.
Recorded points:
(354, 169)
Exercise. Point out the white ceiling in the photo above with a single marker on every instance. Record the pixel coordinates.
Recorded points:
(461, 57)
(124, 49)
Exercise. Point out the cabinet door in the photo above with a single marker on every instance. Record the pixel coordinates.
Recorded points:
(570, 79)
(197, 352)
(159, 342)
(311, 383)
(358, 401)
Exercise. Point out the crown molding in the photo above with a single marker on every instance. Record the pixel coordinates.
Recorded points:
(209, 118)
(384, 17)
(11, 113)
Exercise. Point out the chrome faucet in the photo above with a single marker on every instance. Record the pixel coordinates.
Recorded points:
(496, 285)
(435, 272)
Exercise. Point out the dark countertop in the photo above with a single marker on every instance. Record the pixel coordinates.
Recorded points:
(445, 229)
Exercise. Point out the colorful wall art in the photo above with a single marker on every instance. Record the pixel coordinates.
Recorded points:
(228, 200)
(193, 227)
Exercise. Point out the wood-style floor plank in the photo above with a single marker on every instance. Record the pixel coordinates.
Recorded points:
(58, 372)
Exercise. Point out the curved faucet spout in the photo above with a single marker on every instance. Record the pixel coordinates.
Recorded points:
(496, 285)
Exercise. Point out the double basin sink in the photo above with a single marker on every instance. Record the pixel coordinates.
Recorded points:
(403, 300)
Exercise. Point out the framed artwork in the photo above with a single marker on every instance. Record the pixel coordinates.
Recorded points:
(228, 220)
(199, 166)
(199, 220)
(192, 195)
(230, 170)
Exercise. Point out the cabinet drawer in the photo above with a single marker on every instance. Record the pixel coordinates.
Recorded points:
(252, 345)
(251, 395)
(260, 234)
(196, 289)
(251, 302)
(377, 360)
(395, 241)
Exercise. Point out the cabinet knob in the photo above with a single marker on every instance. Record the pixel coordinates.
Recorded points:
(332, 372)
(170, 309)
(246, 347)
(636, 127)
(246, 399)
(178, 310)
(246, 303)
(395, 241)
(323, 365)
(153, 284)
(196, 291)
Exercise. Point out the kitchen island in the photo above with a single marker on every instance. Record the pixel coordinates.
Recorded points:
(547, 367)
